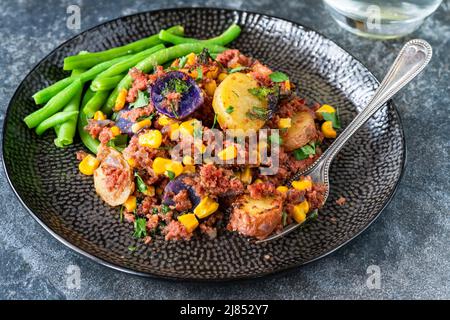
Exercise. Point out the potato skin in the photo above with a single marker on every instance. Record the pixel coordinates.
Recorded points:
(256, 217)
(302, 131)
(103, 176)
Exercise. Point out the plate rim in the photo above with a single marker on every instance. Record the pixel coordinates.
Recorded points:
(149, 275)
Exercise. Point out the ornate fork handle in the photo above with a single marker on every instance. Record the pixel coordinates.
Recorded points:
(411, 60)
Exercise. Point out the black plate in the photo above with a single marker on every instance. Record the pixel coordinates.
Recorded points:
(366, 172)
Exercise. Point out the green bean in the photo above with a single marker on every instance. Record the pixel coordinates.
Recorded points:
(91, 59)
(95, 103)
(49, 92)
(106, 83)
(90, 143)
(57, 118)
(54, 105)
(226, 37)
(87, 96)
(66, 131)
(158, 58)
(124, 66)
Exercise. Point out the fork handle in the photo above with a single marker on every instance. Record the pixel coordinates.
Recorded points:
(411, 60)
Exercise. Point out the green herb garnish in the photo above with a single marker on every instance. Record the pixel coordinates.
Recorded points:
(229, 109)
(142, 187)
(278, 76)
(132, 248)
(170, 174)
(140, 228)
(215, 121)
(155, 210)
(182, 62)
(165, 208)
(175, 85)
(275, 139)
(333, 117)
(258, 113)
(199, 74)
(305, 151)
(284, 218)
(141, 101)
(261, 92)
(121, 214)
(237, 69)
(119, 142)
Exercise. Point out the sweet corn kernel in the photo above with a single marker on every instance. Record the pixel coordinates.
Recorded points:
(284, 123)
(300, 211)
(120, 101)
(189, 221)
(174, 131)
(257, 181)
(324, 108)
(150, 191)
(301, 185)
(151, 139)
(159, 165)
(210, 87)
(130, 204)
(327, 130)
(115, 130)
(282, 189)
(191, 58)
(228, 153)
(187, 127)
(131, 162)
(188, 160)
(287, 85)
(189, 168)
(175, 167)
(212, 73)
(246, 175)
(222, 76)
(141, 125)
(88, 165)
(164, 120)
(206, 207)
(194, 74)
(98, 115)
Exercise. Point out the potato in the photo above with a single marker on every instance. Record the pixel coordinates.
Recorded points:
(256, 217)
(112, 167)
(302, 131)
(232, 94)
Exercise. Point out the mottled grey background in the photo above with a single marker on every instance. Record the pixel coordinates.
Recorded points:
(409, 242)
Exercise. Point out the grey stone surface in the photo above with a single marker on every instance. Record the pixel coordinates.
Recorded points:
(409, 242)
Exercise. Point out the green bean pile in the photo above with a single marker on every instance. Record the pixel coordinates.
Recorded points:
(105, 74)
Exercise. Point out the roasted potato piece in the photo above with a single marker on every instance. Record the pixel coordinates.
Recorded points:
(233, 102)
(113, 179)
(256, 217)
(302, 131)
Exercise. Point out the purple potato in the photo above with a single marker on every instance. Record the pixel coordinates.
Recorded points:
(124, 124)
(177, 185)
(176, 81)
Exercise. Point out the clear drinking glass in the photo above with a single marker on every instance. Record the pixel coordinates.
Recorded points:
(382, 19)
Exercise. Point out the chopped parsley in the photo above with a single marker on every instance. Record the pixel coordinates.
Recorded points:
(261, 92)
(238, 69)
(229, 109)
(155, 210)
(284, 218)
(275, 139)
(142, 187)
(132, 248)
(199, 74)
(140, 228)
(313, 215)
(198, 130)
(141, 101)
(305, 151)
(215, 121)
(121, 214)
(119, 142)
(278, 76)
(170, 174)
(150, 117)
(257, 113)
(333, 117)
(165, 208)
(182, 62)
(175, 85)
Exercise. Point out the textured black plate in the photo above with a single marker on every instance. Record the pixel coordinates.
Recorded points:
(366, 172)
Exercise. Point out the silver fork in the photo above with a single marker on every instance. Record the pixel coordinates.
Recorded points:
(411, 60)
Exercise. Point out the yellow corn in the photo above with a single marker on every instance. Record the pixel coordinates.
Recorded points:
(164, 120)
(189, 221)
(187, 127)
(131, 162)
(141, 125)
(159, 165)
(174, 131)
(246, 175)
(189, 168)
(301, 185)
(257, 181)
(150, 191)
(98, 115)
(324, 108)
(115, 130)
(206, 207)
(287, 85)
(175, 167)
(191, 58)
(300, 211)
(212, 73)
(284, 123)
(88, 165)
(130, 204)
(228, 153)
(210, 87)
(151, 139)
(282, 189)
(120, 101)
(193, 74)
(327, 130)
(221, 76)
(188, 160)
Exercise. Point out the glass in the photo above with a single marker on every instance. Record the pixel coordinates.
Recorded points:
(382, 19)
